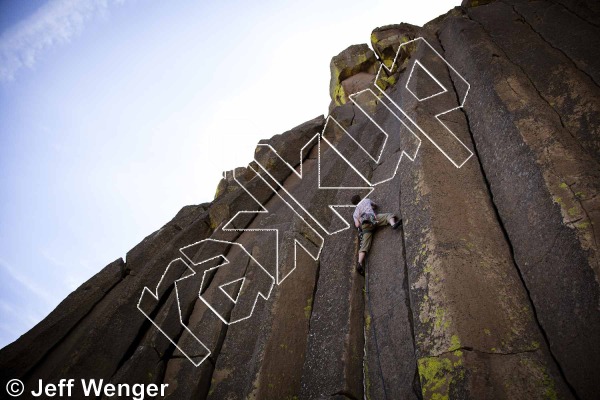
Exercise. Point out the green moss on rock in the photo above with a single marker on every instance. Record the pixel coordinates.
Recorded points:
(435, 374)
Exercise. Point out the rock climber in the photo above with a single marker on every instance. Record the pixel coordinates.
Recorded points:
(366, 221)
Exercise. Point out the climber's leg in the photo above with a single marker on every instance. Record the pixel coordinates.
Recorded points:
(388, 218)
(365, 245)
(361, 258)
(360, 266)
(384, 219)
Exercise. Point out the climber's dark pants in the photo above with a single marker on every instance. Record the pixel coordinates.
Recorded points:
(367, 234)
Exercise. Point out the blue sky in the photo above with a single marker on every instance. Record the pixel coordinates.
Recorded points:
(114, 114)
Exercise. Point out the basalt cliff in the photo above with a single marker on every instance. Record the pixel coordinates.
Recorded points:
(480, 129)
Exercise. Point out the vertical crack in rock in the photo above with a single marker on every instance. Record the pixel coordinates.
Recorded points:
(505, 53)
(416, 381)
(146, 326)
(365, 371)
(416, 386)
(314, 293)
(525, 75)
(30, 369)
(569, 9)
(222, 335)
(506, 236)
(524, 20)
(374, 329)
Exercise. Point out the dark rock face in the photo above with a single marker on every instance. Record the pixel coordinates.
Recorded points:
(490, 289)
(548, 240)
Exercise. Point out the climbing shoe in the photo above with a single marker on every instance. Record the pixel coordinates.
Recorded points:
(360, 269)
(397, 224)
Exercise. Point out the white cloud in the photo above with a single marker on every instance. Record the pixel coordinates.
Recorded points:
(54, 23)
(31, 285)
(75, 272)
(19, 314)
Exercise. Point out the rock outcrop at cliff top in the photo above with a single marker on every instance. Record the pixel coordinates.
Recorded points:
(489, 290)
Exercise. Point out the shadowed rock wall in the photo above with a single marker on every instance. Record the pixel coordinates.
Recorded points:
(490, 289)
